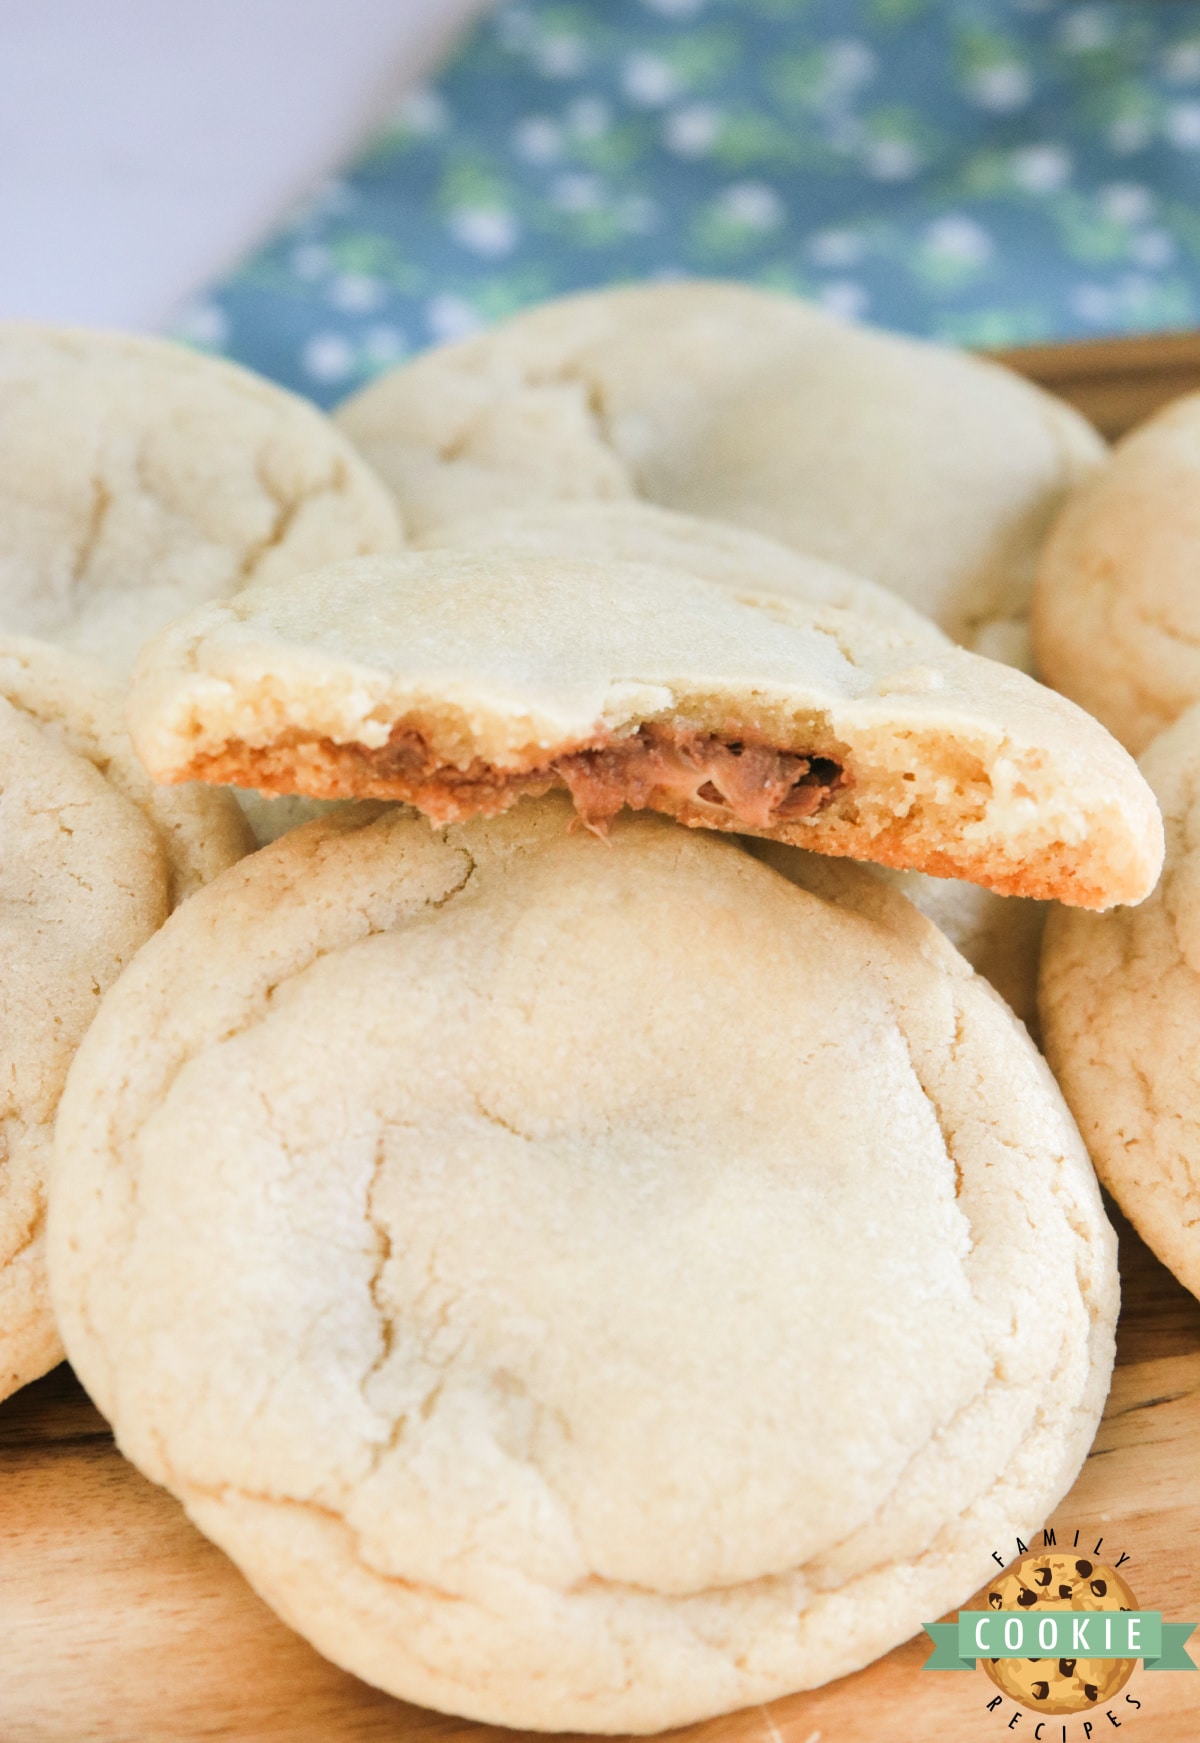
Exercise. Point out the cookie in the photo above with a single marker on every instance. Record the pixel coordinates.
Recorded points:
(94, 859)
(138, 479)
(1116, 620)
(1061, 1581)
(921, 468)
(1120, 1007)
(582, 1285)
(641, 532)
(458, 681)
(1000, 936)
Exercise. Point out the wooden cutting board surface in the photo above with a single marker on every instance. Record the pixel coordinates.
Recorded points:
(119, 1623)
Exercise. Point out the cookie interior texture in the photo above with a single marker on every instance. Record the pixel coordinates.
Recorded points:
(1116, 620)
(459, 681)
(924, 469)
(94, 860)
(485, 1236)
(1120, 1007)
(138, 478)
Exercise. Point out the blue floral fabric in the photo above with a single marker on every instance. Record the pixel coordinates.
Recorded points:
(985, 171)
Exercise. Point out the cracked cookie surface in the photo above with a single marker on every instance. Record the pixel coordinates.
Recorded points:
(94, 859)
(1120, 1008)
(138, 478)
(582, 1285)
(921, 468)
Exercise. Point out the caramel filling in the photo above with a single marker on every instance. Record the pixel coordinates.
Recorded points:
(660, 768)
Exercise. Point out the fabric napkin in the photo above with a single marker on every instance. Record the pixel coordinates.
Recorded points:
(985, 171)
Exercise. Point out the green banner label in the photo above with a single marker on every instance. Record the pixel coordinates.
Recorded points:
(1059, 1634)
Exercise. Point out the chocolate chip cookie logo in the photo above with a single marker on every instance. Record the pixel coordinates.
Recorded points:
(1054, 1583)
(1061, 1635)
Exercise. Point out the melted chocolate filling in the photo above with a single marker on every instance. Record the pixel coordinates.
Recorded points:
(733, 781)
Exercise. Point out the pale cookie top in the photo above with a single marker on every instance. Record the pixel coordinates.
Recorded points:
(138, 479)
(924, 469)
(631, 531)
(1116, 620)
(583, 1285)
(1120, 1003)
(93, 860)
(458, 681)
(1000, 936)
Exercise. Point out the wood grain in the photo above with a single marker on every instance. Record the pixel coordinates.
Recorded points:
(119, 1623)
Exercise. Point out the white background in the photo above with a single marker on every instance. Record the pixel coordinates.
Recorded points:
(145, 143)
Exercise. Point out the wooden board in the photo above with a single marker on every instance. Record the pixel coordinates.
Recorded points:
(1114, 382)
(120, 1624)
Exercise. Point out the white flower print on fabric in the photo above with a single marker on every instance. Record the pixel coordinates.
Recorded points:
(993, 172)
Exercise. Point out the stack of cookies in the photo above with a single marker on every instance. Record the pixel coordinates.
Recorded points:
(568, 1219)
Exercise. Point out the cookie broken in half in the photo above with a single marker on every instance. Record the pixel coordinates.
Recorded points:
(462, 681)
